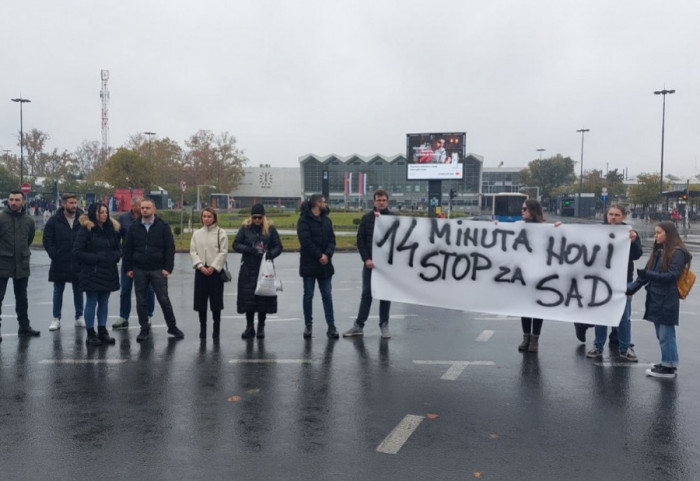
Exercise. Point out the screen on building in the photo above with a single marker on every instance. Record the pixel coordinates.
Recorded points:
(435, 156)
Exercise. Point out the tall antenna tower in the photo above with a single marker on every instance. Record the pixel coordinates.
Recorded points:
(104, 95)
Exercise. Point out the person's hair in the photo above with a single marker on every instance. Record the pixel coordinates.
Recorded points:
(535, 209)
(212, 212)
(135, 199)
(673, 241)
(380, 193)
(94, 211)
(619, 207)
(68, 196)
(148, 199)
(17, 192)
(314, 200)
(266, 223)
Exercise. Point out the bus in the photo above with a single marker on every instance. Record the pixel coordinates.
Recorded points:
(507, 206)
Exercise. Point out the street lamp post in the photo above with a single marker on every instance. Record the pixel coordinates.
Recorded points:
(540, 151)
(21, 101)
(580, 187)
(199, 206)
(150, 134)
(663, 125)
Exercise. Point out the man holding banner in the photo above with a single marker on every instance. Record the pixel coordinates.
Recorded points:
(365, 234)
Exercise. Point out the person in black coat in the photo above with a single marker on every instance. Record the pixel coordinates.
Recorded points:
(365, 237)
(660, 275)
(97, 250)
(256, 236)
(59, 235)
(317, 246)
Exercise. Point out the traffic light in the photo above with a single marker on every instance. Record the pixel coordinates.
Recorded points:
(453, 194)
(685, 196)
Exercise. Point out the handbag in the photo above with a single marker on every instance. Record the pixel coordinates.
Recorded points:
(225, 274)
(685, 281)
(266, 285)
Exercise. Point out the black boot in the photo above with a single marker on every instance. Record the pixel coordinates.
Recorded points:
(202, 324)
(261, 329)
(92, 339)
(215, 329)
(103, 335)
(250, 326)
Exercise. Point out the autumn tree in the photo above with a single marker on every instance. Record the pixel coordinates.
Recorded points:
(34, 144)
(165, 155)
(89, 158)
(548, 174)
(127, 169)
(646, 192)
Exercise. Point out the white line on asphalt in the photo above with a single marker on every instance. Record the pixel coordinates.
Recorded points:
(269, 319)
(393, 316)
(495, 318)
(400, 434)
(270, 361)
(485, 336)
(622, 364)
(82, 361)
(456, 367)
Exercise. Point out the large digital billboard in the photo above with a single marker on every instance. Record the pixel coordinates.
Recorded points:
(435, 156)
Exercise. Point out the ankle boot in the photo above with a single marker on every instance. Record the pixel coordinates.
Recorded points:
(534, 343)
(202, 329)
(92, 339)
(261, 330)
(103, 335)
(249, 330)
(215, 329)
(526, 342)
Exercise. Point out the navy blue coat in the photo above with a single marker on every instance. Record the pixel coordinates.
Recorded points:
(58, 241)
(662, 303)
(316, 237)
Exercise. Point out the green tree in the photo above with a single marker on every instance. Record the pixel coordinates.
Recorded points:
(549, 174)
(8, 181)
(616, 187)
(166, 157)
(127, 169)
(646, 192)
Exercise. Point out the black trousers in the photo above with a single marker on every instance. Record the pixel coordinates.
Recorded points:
(21, 302)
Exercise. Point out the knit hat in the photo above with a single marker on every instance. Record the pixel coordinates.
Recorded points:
(257, 209)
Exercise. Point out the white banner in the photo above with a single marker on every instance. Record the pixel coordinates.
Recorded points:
(574, 273)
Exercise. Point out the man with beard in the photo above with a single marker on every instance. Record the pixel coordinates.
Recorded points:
(16, 235)
(59, 235)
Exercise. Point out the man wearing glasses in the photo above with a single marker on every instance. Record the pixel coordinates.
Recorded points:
(317, 246)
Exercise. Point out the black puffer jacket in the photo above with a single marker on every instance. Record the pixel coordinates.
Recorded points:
(58, 241)
(149, 250)
(244, 243)
(365, 233)
(97, 251)
(316, 237)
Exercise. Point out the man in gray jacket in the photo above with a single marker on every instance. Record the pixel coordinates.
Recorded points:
(16, 235)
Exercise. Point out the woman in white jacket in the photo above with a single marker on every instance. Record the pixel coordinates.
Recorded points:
(208, 249)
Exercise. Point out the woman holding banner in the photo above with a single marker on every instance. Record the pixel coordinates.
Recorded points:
(665, 265)
(532, 212)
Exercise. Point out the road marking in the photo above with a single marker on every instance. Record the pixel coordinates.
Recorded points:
(456, 367)
(269, 319)
(495, 318)
(484, 336)
(400, 434)
(622, 364)
(393, 316)
(269, 361)
(83, 361)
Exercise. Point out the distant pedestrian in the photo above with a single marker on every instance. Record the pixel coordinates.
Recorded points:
(208, 250)
(662, 307)
(616, 215)
(16, 235)
(257, 236)
(365, 235)
(317, 246)
(59, 236)
(149, 257)
(126, 283)
(97, 250)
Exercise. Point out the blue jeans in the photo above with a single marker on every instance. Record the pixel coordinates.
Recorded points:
(99, 300)
(666, 334)
(58, 288)
(159, 284)
(126, 283)
(324, 285)
(366, 301)
(624, 330)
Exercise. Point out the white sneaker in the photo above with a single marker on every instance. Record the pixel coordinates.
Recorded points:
(80, 322)
(384, 328)
(55, 324)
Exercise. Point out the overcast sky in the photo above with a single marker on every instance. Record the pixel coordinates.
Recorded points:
(288, 78)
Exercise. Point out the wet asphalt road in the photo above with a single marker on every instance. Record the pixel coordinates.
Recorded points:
(288, 409)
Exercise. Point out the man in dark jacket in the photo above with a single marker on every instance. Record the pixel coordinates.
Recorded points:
(365, 235)
(59, 235)
(16, 235)
(126, 283)
(317, 246)
(149, 258)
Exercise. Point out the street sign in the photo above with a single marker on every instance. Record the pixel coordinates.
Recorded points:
(183, 186)
(26, 188)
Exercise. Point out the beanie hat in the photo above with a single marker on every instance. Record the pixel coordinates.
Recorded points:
(257, 209)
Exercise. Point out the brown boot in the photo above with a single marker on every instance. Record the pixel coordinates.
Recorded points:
(526, 342)
(534, 343)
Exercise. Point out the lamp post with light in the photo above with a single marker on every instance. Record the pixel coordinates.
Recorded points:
(21, 101)
(663, 92)
(580, 188)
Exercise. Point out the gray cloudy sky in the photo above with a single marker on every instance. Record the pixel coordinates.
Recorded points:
(289, 78)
